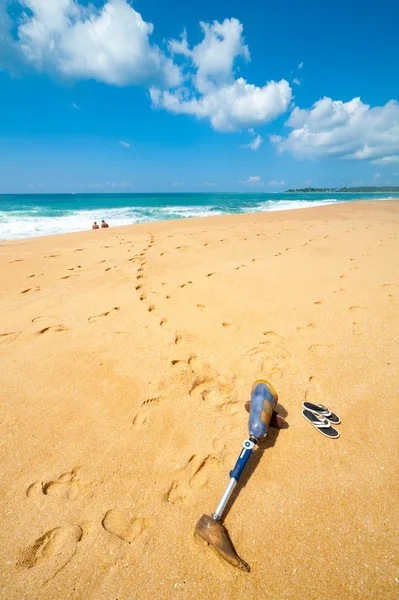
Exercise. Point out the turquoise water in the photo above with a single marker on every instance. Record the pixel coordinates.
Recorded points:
(23, 216)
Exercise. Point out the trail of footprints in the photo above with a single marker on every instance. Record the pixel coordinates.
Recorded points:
(141, 258)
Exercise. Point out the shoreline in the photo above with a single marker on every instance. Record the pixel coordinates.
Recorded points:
(212, 220)
(44, 217)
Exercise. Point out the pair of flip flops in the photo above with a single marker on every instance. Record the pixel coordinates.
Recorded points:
(322, 418)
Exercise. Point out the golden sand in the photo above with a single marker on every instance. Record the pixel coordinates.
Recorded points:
(126, 358)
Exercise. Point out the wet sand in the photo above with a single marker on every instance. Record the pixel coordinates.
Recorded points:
(127, 356)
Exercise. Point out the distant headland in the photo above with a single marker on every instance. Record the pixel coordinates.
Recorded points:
(350, 190)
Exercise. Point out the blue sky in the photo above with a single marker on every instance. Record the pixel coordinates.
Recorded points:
(213, 96)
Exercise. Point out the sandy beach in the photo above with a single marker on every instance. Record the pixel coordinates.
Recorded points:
(127, 356)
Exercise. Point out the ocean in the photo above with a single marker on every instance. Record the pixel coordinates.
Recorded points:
(31, 215)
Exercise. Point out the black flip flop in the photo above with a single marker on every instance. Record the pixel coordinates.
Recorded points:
(319, 409)
(324, 425)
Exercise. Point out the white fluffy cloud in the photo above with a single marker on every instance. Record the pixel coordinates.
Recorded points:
(253, 180)
(344, 130)
(274, 183)
(110, 44)
(211, 91)
(255, 144)
(214, 57)
(180, 46)
(230, 107)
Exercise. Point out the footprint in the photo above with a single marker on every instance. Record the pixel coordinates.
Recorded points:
(270, 355)
(52, 551)
(215, 390)
(104, 314)
(201, 306)
(178, 338)
(9, 336)
(184, 284)
(391, 285)
(16, 260)
(308, 326)
(151, 308)
(321, 349)
(178, 363)
(34, 289)
(79, 250)
(51, 256)
(195, 364)
(59, 327)
(195, 475)
(67, 486)
(145, 409)
(163, 322)
(225, 324)
(357, 308)
(124, 524)
(207, 468)
(39, 318)
(318, 302)
(315, 392)
(212, 274)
